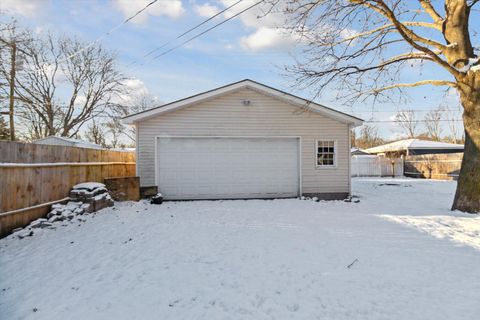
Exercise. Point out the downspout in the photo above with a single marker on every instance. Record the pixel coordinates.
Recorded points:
(136, 149)
(350, 126)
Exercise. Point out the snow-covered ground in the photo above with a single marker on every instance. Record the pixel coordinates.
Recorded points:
(398, 254)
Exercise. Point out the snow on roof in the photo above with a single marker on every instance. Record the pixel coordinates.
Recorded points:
(122, 149)
(74, 142)
(409, 144)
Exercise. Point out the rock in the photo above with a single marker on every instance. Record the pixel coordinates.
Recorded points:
(87, 207)
(24, 233)
(37, 223)
(72, 206)
(54, 213)
(55, 219)
(89, 186)
(356, 200)
(67, 215)
(44, 225)
(315, 199)
(40, 223)
(102, 203)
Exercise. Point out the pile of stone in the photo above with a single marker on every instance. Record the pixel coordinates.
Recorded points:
(92, 193)
(85, 198)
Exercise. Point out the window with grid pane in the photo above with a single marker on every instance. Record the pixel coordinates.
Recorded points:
(326, 153)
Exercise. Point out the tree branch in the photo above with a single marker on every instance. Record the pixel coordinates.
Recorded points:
(389, 26)
(417, 84)
(428, 7)
(474, 2)
(408, 35)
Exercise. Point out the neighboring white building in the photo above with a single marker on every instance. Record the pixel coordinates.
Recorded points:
(70, 142)
(244, 140)
(409, 147)
(358, 152)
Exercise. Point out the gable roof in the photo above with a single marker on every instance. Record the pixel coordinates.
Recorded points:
(409, 144)
(250, 84)
(72, 141)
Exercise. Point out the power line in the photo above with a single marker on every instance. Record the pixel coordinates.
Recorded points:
(209, 29)
(190, 30)
(74, 54)
(112, 30)
(196, 36)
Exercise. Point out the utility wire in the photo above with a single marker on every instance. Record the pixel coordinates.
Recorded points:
(76, 53)
(112, 30)
(197, 35)
(189, 30)
(207, 30)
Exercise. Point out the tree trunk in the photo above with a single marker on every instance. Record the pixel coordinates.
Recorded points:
(467, 196)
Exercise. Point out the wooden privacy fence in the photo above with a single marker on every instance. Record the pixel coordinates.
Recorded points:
(32, 177)
(434, 166)
(373, 166)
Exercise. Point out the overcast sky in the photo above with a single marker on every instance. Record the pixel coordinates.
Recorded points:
(245, 47)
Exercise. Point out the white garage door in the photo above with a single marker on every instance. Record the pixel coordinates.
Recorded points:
(227, 168)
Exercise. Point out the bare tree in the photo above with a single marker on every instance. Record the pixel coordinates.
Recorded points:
(10, 53)
(360, 47)
(115, 128)
(4, 130)
(369, 137)
(433, 124)
(407, 121)
(33, 127)
(85, 75)
(136, 103)
(353, 138)
(96, 133)
(451, 116)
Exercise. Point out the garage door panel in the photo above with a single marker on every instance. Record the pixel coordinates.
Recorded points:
(224, 168)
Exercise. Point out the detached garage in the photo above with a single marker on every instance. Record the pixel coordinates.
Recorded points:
(244, 140)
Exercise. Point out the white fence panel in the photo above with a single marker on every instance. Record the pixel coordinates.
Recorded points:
(373, 166)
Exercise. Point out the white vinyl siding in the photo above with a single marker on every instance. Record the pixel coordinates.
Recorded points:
(265, 116)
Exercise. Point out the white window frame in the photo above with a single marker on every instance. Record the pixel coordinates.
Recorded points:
(335, 152)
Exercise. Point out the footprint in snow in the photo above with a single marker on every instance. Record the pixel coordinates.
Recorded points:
(293, 308)
(173, 303)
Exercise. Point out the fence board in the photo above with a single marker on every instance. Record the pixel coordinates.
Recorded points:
(17, 152)
(434, 166)
(31, 175)
(372, 166)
